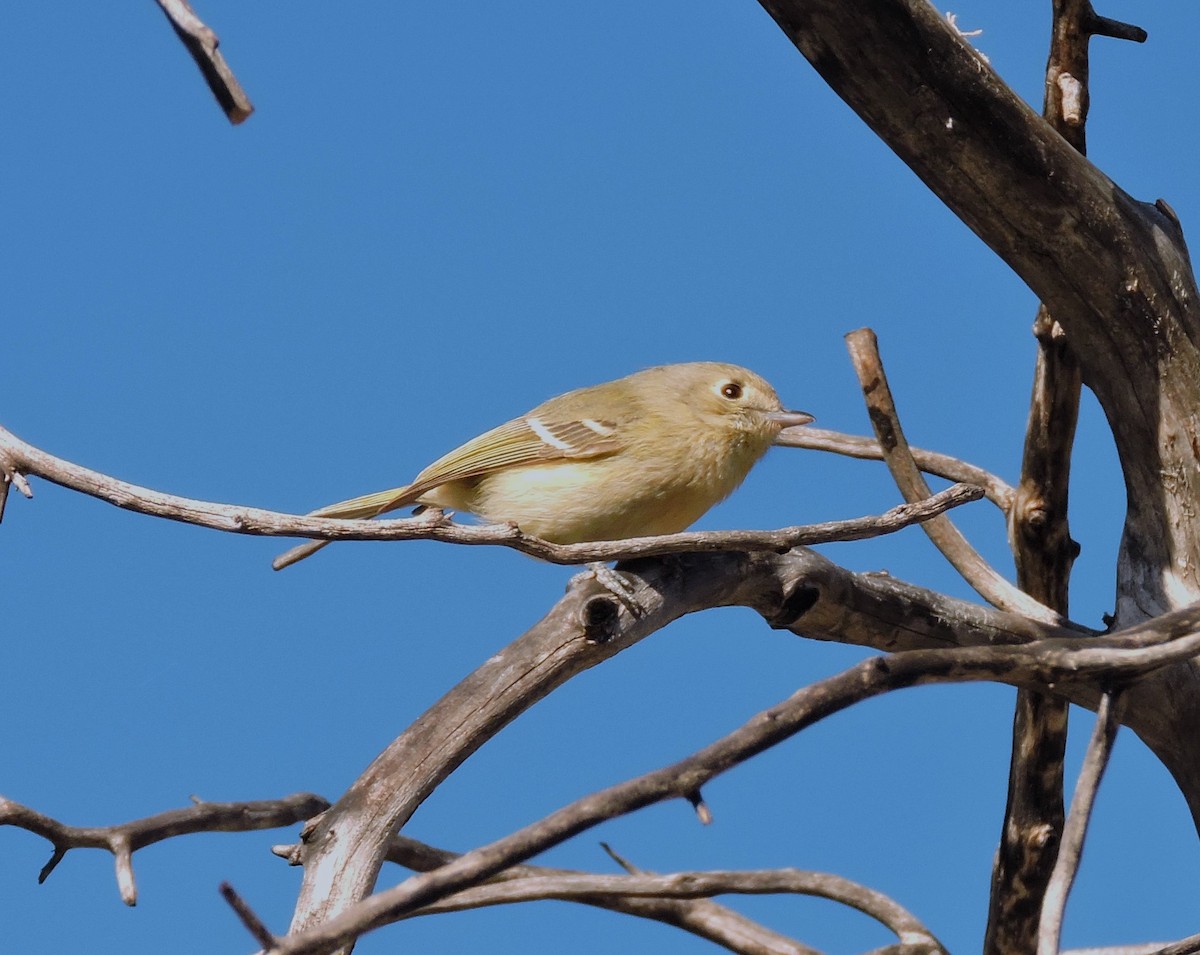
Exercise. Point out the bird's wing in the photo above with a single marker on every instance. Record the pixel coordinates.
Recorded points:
(536, 438)
(533, 439)
(530, 440)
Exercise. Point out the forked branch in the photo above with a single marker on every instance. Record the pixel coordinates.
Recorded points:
(995, 489)
(1063, 663)
(680, 899)
(864, 352)
(125, 839)
(1043, 551)
(701, 917)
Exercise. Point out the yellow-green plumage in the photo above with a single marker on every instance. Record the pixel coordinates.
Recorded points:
(646, 454)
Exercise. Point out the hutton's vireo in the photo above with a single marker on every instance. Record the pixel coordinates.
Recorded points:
(643, 455)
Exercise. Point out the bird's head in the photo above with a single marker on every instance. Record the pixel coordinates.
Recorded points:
(735, 398)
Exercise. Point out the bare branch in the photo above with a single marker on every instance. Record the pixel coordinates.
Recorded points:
(1061, 663)
(700, 917)
(1044, 553)
(800, 590)
(678, 907)
(202, 44)
(1186, 946)
(125, 839)
(584, 887)
(1118, 30)
(254, 925)
(700, 808)
(435, 525)
(1095, 762)
(864, 352)
(1066, 230)
(1138, 948)
(9, 476)
(931, 462)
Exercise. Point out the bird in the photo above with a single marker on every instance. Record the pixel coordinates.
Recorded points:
(640, 456)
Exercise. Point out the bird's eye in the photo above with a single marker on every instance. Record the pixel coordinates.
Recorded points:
(731, 390)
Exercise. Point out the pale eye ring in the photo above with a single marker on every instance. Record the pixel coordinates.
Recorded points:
(731, 390)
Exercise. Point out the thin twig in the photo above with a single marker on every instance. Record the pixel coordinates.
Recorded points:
(1125, 655)
(864, 352)
(9, 477)
(585, 887)
(1095, 762)
(1116, 29)
(249, 918)
(125, 839)
(1137, 948)
(529, 882)
(202, 43)
(809, 438)
(435, 525)
(701, 917)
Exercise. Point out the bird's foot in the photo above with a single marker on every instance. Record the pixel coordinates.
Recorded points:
(616, 584)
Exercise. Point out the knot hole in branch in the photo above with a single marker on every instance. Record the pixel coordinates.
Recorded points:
(599, 617)
(796, 602)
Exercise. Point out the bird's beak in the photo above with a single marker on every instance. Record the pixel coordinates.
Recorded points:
(790, 419)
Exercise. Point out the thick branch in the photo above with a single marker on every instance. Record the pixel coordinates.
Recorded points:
(1043, 552)
(1062, 663)
(1113, 272)
(125, 839)
(799, 590)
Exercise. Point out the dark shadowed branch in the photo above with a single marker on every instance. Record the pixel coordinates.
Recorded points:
(1054, 903)
(1043, 551)
(1067, 231)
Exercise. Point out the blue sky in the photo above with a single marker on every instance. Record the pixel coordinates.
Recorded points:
(439, 216)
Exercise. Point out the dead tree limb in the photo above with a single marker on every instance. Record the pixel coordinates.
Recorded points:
(18, 458)
(202, 43)
(125, 839)
(1064, 664)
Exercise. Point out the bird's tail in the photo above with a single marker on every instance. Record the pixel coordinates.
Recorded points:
(369, 505)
